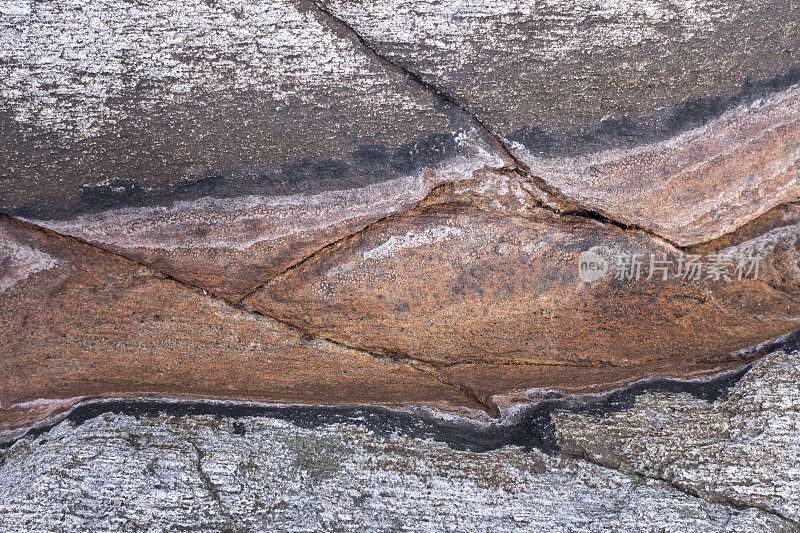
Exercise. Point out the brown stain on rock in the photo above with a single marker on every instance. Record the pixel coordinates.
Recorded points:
(695, 186)
(460, 280)
(94, 324)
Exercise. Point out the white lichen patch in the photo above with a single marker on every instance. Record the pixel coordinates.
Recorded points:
(412, 239)
(19, 261)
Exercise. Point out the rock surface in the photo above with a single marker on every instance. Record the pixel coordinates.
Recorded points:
(668, 462)
(564, 66)
(480, 317)
(117, 473)
(422, 206)
(480, 275)
(678, 117)
(79, 322)
(742, 449)
(216, 141)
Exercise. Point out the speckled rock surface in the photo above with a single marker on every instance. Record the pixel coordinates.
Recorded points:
(679, 117)
(570, 64)
(117, 473)
(743, 449)
(668, 462)
(219, 142)
(338, 205)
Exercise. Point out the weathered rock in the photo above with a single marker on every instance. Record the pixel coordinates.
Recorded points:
(76, 321)
(495, 307)
(219, 142)
(358, 251)
(479, 276)
(565, 65)
(775, 236)
(697, 185)
(741, 449)
(118, 473)
(681, 118)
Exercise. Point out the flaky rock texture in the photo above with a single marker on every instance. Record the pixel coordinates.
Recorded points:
(418, 205)
(217, 142)
(742, 449)
(117, 473)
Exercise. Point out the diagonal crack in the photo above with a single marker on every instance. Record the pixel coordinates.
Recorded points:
(418, 366)
(204, 478)
(688, 491)
(573, 205)
(441, 94)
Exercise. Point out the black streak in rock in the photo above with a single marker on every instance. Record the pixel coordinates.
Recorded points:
(631, 131)
(531, 429)
(368, 164)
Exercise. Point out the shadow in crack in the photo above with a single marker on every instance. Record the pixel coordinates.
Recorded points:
(530, 428)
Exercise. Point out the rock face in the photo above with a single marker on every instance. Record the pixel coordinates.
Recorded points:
(479, 318)
(309, 265)
(742, 449)
(461, 206)
(217, 142)
(196, 474)
(564, 66)
(80, 322)
(678, 117)
(496, 282)
(687, 465)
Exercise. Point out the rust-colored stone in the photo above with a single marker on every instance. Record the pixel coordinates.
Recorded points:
(230, 246)
(775, 236)
(78, 322)
(697, 185)
(461, 280)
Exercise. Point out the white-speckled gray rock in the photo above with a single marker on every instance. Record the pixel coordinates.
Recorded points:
(117, 473)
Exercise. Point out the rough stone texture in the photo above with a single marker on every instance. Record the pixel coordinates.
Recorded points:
(742, 449)
(117, 473)
(665, 115)
(479, 317)
(479, 274)
(77, 321)
(303, 214)
(566, 65)
(215, 141)
(775, 236)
